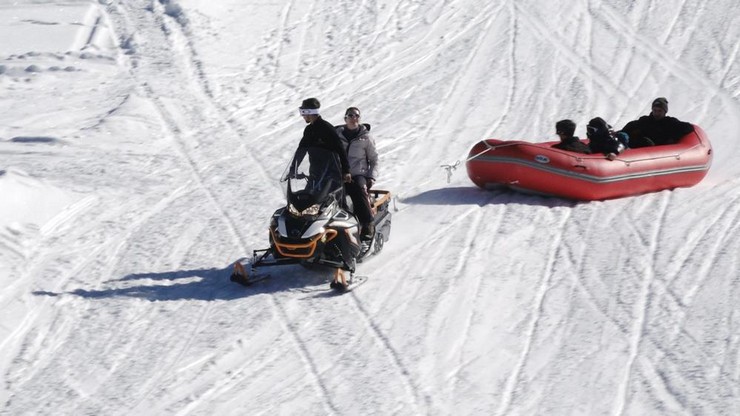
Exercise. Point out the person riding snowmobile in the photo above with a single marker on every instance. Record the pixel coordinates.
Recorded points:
(320, 133)
(363, 161)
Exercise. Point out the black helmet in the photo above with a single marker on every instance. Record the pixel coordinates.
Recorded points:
(597, 126)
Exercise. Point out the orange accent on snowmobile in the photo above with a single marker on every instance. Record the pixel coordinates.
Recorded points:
(303, 250)
(333, 235)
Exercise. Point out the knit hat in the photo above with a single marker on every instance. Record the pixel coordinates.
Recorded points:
(661, 102)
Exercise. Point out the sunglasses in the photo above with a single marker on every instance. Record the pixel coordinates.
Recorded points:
(352, 115)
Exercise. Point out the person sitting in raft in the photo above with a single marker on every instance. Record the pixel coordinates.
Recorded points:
(656, 128)
(603, 140)
(565, 130)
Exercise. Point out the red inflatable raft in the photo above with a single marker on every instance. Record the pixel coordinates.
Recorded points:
(541, 169)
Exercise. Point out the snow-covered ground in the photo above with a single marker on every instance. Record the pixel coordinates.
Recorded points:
(140, 146)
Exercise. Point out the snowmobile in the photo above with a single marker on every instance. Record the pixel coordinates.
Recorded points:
(317, 225)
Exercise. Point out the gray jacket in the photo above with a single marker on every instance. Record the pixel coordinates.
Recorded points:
(363, 158)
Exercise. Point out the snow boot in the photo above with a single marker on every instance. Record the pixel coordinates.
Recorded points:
(368, 231)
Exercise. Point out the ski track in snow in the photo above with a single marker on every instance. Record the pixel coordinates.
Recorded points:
(481, 303)
(473, 240)
(641, 311)
(299, 343)
(509, 394)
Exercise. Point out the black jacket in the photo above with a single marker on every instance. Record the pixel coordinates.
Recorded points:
(322, 134)
(573, 144)
(647, 129)
(601, 139)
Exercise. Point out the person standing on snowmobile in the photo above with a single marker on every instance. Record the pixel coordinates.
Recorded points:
(320, 133)
(363, 163)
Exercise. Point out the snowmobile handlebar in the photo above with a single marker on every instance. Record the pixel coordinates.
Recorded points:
(295, 176)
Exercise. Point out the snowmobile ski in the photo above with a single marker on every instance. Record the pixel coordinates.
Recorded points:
(352, 284)
(240, 275)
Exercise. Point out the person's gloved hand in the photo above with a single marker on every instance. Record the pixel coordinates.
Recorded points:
(370, 182)
(623, 137)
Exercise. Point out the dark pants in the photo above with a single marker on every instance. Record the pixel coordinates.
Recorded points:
(357, 190)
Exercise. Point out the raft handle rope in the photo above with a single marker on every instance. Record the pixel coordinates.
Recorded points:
(454, 166)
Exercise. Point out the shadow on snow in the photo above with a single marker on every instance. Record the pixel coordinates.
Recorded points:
(471, 195)
(205, 284)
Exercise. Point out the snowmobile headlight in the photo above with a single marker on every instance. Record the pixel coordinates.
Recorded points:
(312, 210)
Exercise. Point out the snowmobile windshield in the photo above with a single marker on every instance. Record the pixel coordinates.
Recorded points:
(313, 176)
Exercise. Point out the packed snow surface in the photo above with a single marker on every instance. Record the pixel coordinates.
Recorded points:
(141, 143)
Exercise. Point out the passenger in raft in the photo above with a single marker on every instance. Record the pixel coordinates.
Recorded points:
(656, 128)
(565, 130)
(601, 138)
